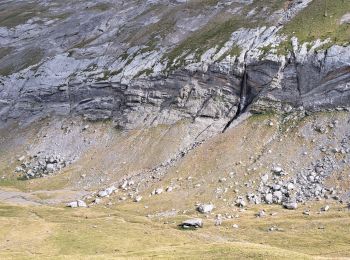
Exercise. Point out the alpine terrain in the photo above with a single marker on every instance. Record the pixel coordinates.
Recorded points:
(175, 129)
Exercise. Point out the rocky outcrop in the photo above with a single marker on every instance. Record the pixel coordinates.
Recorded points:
(139, 87)
(313, 81)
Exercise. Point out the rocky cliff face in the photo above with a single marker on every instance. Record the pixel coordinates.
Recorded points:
(94, 60)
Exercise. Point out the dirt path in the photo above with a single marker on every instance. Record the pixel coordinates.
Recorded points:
(41, 197)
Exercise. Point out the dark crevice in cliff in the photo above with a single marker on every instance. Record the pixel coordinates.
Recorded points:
(294, 60)
(244, 100)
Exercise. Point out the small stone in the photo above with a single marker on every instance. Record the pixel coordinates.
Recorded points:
(291, 205)
(19, 169)
(269, 198)
(97, 201)
(124, 185)
(261, 214)
(325, 208)
(265, 178)
(277, 196)
(138, 198)
(73, 204)
(290, 186)
(20, 159)
(158, 191)
(103, 193)
(222, 180)
(50, 167)
(241, 203)
(273, 228)
(277, 170)
(306, 212)
(81, 204)
(235, 226)
(218, 220)
(110, 190)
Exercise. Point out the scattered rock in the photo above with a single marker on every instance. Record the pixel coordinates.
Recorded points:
(40, 165)
(106, 192)
(205, 208)
(97, 200)
(325, 208)
(81, 204)
(241, 203)
(290, 205)
(269, 198)
(277, 170)
(76, 204)
(138, 198)
(261, 214)
(192, 223)
(218, 220)
(73, 204)
(265, 178)
(158, 191)
(20, 159)
(306, 212)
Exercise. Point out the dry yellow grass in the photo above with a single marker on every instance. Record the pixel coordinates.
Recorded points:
(100, 233)
(122, 230)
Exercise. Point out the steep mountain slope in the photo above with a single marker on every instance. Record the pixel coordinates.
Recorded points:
(144, 111)
(149, 62)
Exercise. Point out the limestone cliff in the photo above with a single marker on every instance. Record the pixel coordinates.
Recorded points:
(157, 62)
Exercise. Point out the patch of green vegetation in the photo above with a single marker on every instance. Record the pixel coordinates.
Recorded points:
(61, 16)
(234, 51)
(150, 46)
(159, 29)
(101, 7)
(19, 14)
(320, 20)
(146, 72)
(105, 75)
(12, 182)
(18, 61)
(266, 49)
(114, 73)
(285, 47)
(84, 43)
(124, 56)
(324, 46)
(216, 34)
(5, 51)
(91, 67)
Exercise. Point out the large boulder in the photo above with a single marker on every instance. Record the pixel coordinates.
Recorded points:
(205, 208)
(192, 223)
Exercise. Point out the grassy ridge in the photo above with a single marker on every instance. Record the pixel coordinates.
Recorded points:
(320, 20)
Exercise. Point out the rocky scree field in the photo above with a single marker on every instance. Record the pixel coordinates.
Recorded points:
(174, 129)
